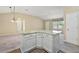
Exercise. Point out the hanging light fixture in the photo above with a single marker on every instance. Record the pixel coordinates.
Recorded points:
(12, 11)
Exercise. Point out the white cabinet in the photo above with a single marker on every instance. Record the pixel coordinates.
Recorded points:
(39, 40)
(56, 43)
(45, 41)
(61, 40)
(48, 42)
(72, 28)
(28, 43)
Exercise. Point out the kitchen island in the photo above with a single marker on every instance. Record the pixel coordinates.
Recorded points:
(47, 40)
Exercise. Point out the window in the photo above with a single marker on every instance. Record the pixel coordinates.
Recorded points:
(58, 25)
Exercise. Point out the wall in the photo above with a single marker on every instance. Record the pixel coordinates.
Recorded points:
(6, 26)
(31, 23)
(71, 9)
(48, 25)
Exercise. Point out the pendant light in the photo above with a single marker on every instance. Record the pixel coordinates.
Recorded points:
(12, 11)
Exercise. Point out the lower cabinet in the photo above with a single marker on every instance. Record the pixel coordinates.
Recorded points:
(39, 40)
(28, 43)
(48, 43)
(56, 43)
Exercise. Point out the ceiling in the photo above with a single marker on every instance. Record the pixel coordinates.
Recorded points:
(44, 12)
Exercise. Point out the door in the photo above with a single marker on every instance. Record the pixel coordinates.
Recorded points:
(20, 24)
(71, 28)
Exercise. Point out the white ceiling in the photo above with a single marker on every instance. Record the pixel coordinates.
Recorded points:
(44, 12)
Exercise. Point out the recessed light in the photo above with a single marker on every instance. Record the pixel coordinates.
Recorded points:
(26, 9)
(10, 7)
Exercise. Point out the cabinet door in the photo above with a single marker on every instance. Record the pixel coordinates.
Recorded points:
(56, 43)
(47, 43)
(28, 43)
(72, 28)
(39, 40)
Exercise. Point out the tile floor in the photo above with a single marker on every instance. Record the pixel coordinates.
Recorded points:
(9, 43)
(70, 48)
(12, 43)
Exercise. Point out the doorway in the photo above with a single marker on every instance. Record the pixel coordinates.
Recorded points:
(20, 24)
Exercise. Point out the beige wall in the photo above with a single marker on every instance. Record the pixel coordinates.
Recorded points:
(6, 26)
(48, 25)
(31, 23)
(71, 9)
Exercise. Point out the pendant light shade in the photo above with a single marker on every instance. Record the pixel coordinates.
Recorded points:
(12, 11)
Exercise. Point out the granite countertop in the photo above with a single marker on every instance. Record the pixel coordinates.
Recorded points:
(48, 32)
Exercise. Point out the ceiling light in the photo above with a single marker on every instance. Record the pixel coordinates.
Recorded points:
(12, 11)
(26, 9)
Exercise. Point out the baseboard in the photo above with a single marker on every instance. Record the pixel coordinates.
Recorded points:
(71, 43)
